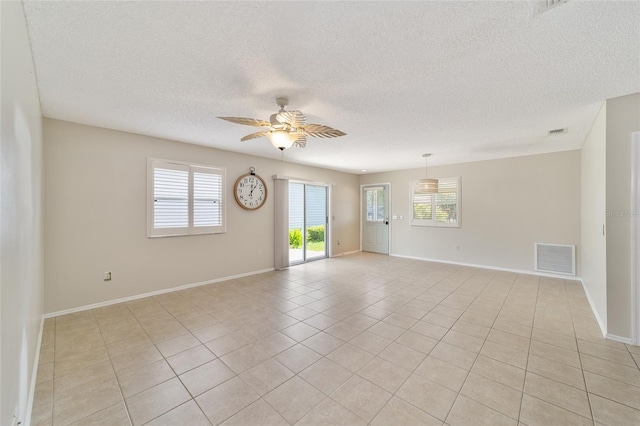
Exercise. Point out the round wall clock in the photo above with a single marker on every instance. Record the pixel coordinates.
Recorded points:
(250, 191)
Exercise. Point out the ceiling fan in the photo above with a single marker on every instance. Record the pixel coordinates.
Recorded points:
(286, 128)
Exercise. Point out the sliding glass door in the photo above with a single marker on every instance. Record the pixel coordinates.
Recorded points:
(307, 222)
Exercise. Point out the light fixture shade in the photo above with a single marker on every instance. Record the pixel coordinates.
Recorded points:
(426, 186)
(281, 139)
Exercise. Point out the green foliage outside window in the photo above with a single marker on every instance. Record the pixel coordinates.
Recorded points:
(315, 233)
(315, 238)
(422, 211)
(295, 238)
(446, 211)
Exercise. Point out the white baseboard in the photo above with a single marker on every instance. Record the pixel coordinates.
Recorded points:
(494, 268)
(603, 328)
(34, 374)
(346, 253)
(619, 339)
(153, 293)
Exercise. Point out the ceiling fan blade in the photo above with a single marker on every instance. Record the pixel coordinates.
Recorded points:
(293, 118)
(320, 131)
(301, 142)
(255, 135)
(247, 121)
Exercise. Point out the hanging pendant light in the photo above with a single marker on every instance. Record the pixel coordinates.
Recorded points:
(426, 186)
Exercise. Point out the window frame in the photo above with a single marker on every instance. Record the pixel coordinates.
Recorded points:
(190, 229)
(434, 206)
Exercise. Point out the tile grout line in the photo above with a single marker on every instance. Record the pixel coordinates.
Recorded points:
(526, 367)
(478, 354)
(124, 400)
(586, 388)
(440, 340)
(458, 393)
(551, 403)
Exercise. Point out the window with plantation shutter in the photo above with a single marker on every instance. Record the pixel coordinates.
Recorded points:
(207, 198)
(437, 209)
(184, 199)
(170, 197)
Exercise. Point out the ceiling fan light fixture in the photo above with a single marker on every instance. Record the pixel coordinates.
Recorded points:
(281, 139)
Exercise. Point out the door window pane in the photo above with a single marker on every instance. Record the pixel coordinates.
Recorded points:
(296, 222)
(307, 222)
(316, 217)
(375, 204)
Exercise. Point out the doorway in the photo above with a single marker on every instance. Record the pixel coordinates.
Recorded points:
(375, 218)
(307, 222)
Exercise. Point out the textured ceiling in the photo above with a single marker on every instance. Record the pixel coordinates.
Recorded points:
(465, 81)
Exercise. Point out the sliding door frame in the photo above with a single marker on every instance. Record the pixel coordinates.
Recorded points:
(328, 217)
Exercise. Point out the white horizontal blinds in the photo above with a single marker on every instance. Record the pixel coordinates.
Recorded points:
(207, 197)
(422, 206)
(170, 196)
(185, 199)
(446, 201)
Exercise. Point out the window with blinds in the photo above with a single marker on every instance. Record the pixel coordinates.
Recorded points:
(184, 199)
(438, 209)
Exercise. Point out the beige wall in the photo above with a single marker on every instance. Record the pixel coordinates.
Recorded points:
(21, 212)
(623, 118)
(96, 212)
(507, 205)
(593, 250)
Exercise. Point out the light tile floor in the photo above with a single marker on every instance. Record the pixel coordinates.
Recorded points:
(362, 339)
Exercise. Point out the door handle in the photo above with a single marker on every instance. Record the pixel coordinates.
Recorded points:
(386, 222)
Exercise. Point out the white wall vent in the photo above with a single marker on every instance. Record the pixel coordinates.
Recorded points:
(544, 5)
(555, 258)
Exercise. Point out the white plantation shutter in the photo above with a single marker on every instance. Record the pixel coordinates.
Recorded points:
(422, 206)
(170, 198)
(446, 202)
(207, 198)
(184, 199)
(439, 209)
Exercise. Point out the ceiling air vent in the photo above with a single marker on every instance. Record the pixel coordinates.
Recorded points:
(556, 132)
(544, 5)
(555, 258)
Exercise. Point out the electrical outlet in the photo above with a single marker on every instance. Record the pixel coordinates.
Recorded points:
(107, 276)
(259, 253)
(338, 242)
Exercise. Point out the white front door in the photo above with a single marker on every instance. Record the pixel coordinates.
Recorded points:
(375, 218)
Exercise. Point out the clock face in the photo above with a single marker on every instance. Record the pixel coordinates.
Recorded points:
(250, 192)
